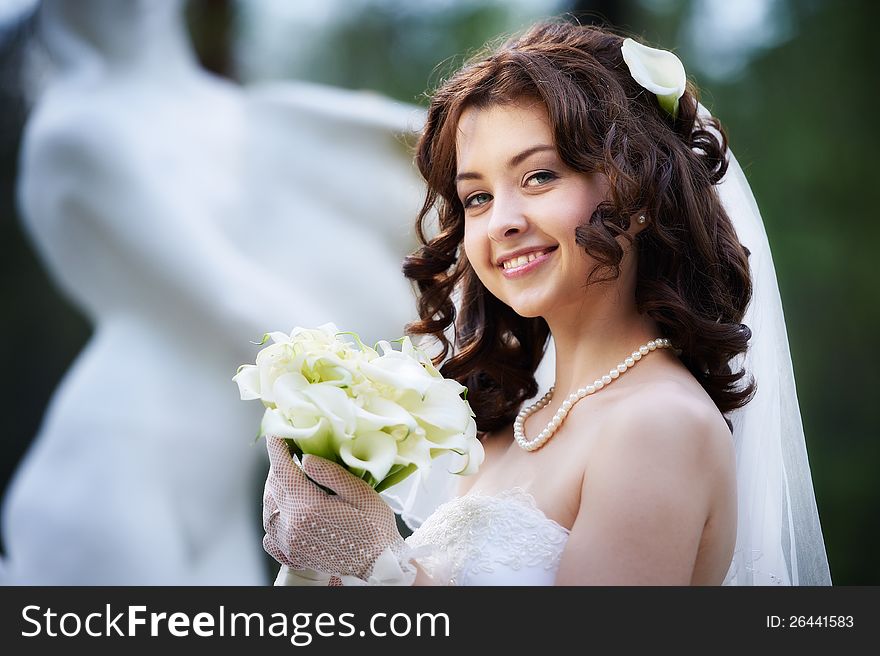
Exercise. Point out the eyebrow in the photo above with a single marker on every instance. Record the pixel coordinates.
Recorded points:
(517, 159)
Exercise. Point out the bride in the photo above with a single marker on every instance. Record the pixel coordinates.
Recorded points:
(583, 193)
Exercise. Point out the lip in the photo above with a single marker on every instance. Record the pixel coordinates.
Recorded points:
(527, 268)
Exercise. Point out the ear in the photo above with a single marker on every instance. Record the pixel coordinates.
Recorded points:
(638, 222)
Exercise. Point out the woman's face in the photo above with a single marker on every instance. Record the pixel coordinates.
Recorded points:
(521, 206)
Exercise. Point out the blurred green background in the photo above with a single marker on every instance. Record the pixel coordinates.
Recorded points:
(793, 81)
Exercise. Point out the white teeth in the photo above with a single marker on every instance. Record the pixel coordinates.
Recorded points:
(522, 260)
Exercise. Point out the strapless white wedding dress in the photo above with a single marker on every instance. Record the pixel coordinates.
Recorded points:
(499, 539)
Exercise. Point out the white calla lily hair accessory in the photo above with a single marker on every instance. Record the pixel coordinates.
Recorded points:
(658, 71)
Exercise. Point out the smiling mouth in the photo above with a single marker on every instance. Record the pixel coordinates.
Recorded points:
(522, 260)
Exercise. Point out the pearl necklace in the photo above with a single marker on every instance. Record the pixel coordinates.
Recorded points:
(574, 397)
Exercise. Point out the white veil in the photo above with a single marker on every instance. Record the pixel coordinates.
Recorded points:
(779, 538)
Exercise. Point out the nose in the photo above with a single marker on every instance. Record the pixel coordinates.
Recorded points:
(508, 218)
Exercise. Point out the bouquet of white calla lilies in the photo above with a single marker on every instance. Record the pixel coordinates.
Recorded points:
(379, 415)
(658, 71)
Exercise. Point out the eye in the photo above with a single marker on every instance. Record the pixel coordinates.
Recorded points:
(539, 178)
(477, 199)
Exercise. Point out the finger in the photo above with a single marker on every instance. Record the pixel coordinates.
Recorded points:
(287, 474)
(280, 459)
(270, 506)
(348, 486)
(274, 489)
(270, 546)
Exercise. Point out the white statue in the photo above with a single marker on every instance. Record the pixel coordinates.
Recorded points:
(185, 216)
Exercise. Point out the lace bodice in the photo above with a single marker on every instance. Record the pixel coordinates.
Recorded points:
(500, 539)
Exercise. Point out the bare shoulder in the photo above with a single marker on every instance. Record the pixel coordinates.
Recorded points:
(671, 419)
(658, 472)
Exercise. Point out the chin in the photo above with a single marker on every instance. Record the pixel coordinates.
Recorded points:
(528, 303)
(528, 314)
(527, 310)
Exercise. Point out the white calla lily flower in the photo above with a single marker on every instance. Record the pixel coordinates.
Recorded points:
(272, 362)
(379, 413)
(473, 457)
(335, 405)
(277, 338)
(414, 450)
(383, 416)
(316, 439)
(372, 451)
(475, 453)
(248, 381)
(400, 372)
(291, 402)
(658, 71)
(443, 408)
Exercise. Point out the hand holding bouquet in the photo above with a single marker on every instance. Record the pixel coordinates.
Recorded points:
(381, 417)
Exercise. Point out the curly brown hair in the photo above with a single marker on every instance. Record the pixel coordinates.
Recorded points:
(692, 272)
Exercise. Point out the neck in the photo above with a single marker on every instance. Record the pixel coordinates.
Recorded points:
(596, 335)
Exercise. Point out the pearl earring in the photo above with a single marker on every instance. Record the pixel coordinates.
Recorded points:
(642, 219)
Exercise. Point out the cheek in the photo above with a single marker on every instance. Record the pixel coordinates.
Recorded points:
(568, 219)
(474, 247)
(572, 211)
